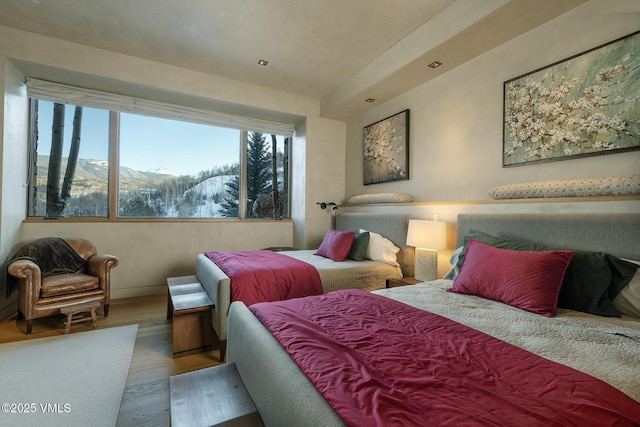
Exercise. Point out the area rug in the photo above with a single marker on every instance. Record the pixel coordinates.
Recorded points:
(68, 380)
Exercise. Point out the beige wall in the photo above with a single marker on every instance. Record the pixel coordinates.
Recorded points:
(456, 119)
(150, 252)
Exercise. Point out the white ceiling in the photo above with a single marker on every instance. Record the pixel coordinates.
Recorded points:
(339, 51)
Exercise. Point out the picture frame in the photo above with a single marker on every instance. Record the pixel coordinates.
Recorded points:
(584, 105)
(386, 149)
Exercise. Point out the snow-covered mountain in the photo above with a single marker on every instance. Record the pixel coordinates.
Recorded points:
(90, 168)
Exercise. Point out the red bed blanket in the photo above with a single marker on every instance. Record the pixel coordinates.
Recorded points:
(259, 276)
(380, 362)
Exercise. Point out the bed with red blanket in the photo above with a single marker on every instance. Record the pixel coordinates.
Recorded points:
(439, 353)
(263, 275)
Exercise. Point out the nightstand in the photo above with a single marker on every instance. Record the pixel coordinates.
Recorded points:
(403, 281)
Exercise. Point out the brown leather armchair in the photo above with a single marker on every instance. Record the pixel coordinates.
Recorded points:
(44, 291)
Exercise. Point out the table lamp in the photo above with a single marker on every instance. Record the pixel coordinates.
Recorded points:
(427, 237)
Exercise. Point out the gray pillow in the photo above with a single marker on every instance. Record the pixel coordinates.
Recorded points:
(358, 250)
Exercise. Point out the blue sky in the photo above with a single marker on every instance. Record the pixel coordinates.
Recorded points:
(146, 143)
(183, 148)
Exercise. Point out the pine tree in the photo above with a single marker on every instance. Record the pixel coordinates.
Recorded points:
(258, 169)
(258, 178)
(229, 207)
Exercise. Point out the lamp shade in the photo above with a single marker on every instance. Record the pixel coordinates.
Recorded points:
(427, 234)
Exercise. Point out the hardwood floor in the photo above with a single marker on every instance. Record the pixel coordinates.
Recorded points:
(145, 401)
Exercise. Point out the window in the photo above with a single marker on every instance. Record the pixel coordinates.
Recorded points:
(267, 177)
(175, 169)
(166, 168)
(79, 189)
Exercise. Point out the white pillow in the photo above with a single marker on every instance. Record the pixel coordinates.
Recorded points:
(381, 248)
(628, 300)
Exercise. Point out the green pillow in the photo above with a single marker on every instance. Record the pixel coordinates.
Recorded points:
(358, 250)
(455, 268)
(591, 282)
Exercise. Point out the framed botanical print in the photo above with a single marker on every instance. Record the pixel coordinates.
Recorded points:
(585, 105)
(386, 149)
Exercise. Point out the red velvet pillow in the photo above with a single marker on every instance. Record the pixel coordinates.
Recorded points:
(529, 280)
(336, 245)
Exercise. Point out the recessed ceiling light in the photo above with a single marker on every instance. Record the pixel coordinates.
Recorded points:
(435, 64)
(263, 62)
(369, 100)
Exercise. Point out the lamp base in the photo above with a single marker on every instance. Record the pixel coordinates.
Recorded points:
(426, 267)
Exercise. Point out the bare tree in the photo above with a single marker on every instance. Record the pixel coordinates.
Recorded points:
(274, 177)
(57, 196)
(55, 205)
(72, 161)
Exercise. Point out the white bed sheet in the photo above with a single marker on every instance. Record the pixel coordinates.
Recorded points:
(606, 348)
(366, 275)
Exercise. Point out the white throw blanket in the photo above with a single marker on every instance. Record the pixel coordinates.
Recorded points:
(606, 348)
(366, 275)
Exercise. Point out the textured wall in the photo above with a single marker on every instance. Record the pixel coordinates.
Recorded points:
(456, 119)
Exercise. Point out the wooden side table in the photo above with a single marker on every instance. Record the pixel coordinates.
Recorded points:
(189, 307)
(403, 281)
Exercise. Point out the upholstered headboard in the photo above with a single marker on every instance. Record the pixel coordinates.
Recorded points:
(391, 226)
(617, 234)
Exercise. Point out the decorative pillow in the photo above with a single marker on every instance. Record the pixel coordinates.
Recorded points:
(611, 185)
(336, 245)
(591, 282)
(358, 250)
(381, 198)
(381, 249)
(628, 300)
(529, 280)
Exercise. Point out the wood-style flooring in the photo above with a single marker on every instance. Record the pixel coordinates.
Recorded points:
(145, 401)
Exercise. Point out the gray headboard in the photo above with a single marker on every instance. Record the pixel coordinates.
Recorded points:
(391, 226)
(617, 234)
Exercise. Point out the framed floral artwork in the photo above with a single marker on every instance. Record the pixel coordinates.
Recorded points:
(585, 105)
(386, 149)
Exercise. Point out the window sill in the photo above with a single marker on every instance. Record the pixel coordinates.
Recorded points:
(151, 220)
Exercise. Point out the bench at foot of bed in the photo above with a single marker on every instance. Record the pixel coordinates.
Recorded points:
(189, 307)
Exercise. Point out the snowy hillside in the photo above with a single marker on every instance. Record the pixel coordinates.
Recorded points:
(209, 194)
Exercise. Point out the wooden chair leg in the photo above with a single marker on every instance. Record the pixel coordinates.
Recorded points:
(68, 322)
(29, 326)
(223, 350)
(94, 320)
(105, 308)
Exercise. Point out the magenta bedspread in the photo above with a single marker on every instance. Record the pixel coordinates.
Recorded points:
(259, 276)
(380, 362)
